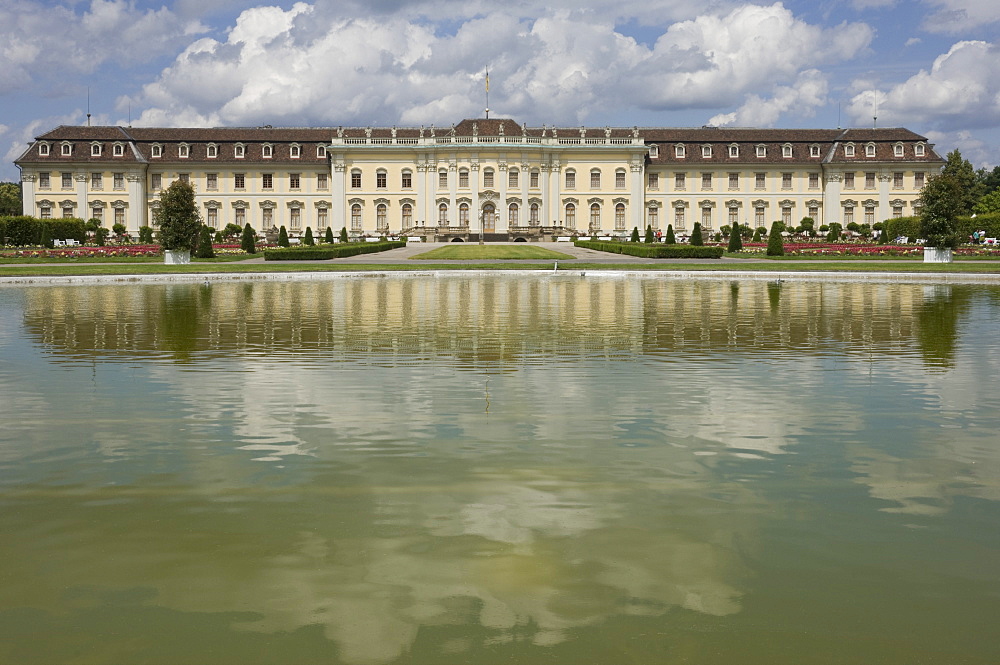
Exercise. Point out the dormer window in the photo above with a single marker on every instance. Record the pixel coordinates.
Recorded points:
(267, 151)
(67, 149)
(239, 151)
(897, 150)
(321, 151)
(762, 151)
(43, 149)
(918, 150)
(119, 150)
(156, 150)
(849, 150)
(295, 151)
(734, 150)
(679, 151)
(786, 150)
(814, 150)
(870, 150)
(706, 152)
(95, 149)
(654, 151)
(183, 150)
(212, 151)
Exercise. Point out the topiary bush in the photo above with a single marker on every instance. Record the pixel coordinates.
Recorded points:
(775, 246)
(653, 251)
(735, 239)
(248, 241)
(337, 251)
(696, 238)
(670, 238)
(205, 249)
(343, 234)
(308, 240)
(282, 237)
(329, 235)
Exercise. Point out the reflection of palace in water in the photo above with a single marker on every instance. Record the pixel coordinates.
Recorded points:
(490, 318)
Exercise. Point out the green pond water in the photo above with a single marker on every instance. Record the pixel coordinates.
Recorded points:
(534, 470)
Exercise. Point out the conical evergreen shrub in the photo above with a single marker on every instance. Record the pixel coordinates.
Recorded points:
(329, 235)
(248, 241)
(205, 249)
(735, 239)
(635, 234)
(696, 238)
(308, 240)
(775, 246)
(649, 235)
(343, 234)
(282, 237)
(670, 238)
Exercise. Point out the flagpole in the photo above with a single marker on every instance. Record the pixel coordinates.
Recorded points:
(487, 93)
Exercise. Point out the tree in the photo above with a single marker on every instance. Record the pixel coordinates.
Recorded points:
(775, 246)
(635, 234)
(649, 235)
(282, 237)
(10, 199)
(308, 240)
(696, 238)
(940, 203)
(248, 243)
(988, 204)
(100, 236)
(807, 225)
(328, 238)
(232, 231)
(735, 239)
(970, 187)
(670, 239)
(205, 249)
(834, 234)
(343, 234)
(178, 217)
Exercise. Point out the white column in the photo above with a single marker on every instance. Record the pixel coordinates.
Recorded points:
(452, 192)
(554, 208)
(831, 199)
(28, 194)
(81, 195)
(502, 203)
(525, 179)
(135, 217)
(884, 211)
(638, 201)
(475, 216)
(338, 196)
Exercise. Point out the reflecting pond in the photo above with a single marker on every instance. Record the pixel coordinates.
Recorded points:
(561, 469)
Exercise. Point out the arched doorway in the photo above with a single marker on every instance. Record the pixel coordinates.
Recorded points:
(489, 218)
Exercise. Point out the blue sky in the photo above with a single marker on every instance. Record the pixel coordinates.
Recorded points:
(928, 64)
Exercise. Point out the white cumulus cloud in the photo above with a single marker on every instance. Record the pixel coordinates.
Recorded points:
(952, 16)
(808, 92)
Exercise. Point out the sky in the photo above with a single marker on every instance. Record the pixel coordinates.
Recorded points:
(927, 65)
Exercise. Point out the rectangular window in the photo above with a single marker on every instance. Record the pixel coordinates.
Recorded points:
(897, 180)
(97, 181)
(156, 181)
(241, 216)
(295, 218)
(848, 216)
(706, 217)
(407, 180)
(786, 180)
(848, 181)
(443, 179)
(67, 181)
(869, 180)
(119, 215)
(813, 181)
(46, 212)
(267, 217)
(734, 216)
(758, 216)
(97, 212)
(734, 181)
(43, 180)
(679, 217)
(67, 211)
(512, 179)
(620, 180)
(239, 181)
(184, 177)
(654, 181)
(897, 211)
(381, 180)
(786, 215)
(212, 181)
(322, 181)
(595, 179)
(653, 217)
(293, 181)
(267, 181)
(321, 218)
(212, 218)
(760, 180)
(869, 214)
(814, 213)
(533, 183)
(463, 179)
(706, 181)
(356, 180)
(570, 179)
(918, 179)
(679, 181)
(488, 179)
(119, 181)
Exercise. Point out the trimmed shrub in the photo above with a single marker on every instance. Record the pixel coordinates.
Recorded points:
(329, 235)
(205, 249)
(330, 252)
(901, 226)
(248, 242)
(635, 234)
(756, 235)
(101, 236)
(146, 235)
(308, 240)
(343, 234)
(775, 246)
(670, 238)
(653, 251)
(696, 238)
(735, 239)
(649, 234)
(282, 237)
(988, 222)
(46, 238)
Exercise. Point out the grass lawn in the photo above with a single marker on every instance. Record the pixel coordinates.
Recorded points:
(487, 252)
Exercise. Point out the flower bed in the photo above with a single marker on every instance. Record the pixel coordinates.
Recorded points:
(864, 250)
(123, 251)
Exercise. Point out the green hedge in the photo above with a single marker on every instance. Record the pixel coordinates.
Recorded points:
(653, 251)
(989, 222)
(22, 230)
(339, 251)
(902, 226)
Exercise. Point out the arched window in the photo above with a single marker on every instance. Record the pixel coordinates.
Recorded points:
(443, 212)
(380, 218)
(463, 214)
(620, 216)
(571, 215)
(512, 214)
(212, 151)
(595, 216)
(267, 151)
(407, 215)
(356, 217)
(533, 214)
(870, 150)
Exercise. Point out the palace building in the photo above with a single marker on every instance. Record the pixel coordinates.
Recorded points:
(491, 176)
